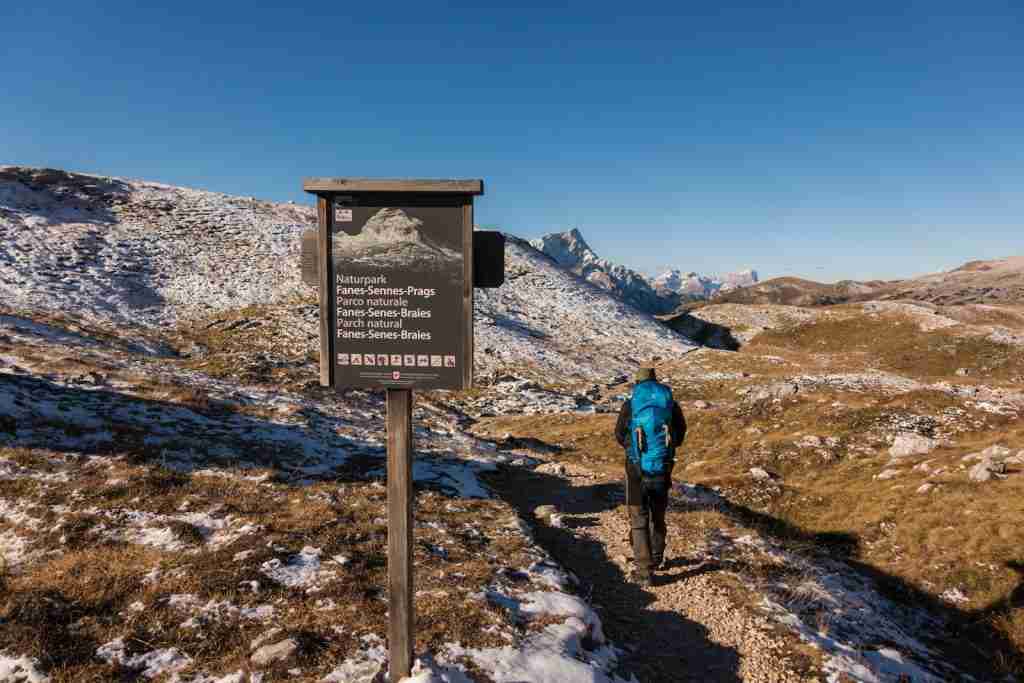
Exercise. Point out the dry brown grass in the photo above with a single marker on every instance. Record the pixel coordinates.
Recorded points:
(77, 597)
(898, 345)
(252, 345)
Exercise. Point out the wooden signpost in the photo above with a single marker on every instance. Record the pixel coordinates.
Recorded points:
(395, 272)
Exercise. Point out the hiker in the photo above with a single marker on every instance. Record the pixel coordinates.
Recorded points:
(650, 427)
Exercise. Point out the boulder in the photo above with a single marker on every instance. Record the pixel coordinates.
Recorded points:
(911, 444)
(886, 474)
(277, 652)
(774, 391)
(987, 470)
(761, 474)
(996, 452)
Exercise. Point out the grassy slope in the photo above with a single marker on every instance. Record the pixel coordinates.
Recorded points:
(77, 590)
(960, 536)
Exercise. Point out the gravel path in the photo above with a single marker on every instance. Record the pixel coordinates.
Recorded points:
(685, 628)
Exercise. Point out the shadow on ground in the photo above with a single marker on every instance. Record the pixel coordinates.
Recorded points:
(703, 332)
(198, 432)
(661, 645)
(966, 640)
(92, 197)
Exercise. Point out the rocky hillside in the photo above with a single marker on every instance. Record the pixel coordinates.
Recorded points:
(977, 282)
(793, 291)
(142, 254)
(997, 281)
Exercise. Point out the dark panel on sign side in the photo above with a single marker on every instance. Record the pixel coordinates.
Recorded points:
(308, 259)
(488, 258)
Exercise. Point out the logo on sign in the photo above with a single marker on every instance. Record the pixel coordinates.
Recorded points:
(396, 375)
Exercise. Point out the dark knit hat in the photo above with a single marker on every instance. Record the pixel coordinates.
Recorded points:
(644, 374)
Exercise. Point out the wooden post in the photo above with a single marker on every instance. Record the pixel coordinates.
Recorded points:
(325, 256)
(467, 289)
(400, 636)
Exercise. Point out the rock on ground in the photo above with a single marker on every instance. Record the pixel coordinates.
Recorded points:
(274, 653)
(911, 444)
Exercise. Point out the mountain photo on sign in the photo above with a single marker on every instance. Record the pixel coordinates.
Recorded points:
(393, 239)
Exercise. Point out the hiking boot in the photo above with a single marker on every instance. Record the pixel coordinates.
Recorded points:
(642, 578)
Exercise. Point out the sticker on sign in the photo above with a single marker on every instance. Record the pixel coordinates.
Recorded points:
(343, 215)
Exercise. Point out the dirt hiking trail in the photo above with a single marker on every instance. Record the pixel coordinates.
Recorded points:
(684, 627)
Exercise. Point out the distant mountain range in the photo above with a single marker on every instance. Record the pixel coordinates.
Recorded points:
(658, 296)
(975, 282)
(703, 286)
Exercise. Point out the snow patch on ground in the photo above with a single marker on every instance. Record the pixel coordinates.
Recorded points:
(149, 664)
(214, 610)
(573, 651)
(20, 670)
(298, 571)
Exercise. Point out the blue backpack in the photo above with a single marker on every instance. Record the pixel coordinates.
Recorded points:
(650, 445)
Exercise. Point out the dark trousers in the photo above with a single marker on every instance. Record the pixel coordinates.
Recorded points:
(646, 506)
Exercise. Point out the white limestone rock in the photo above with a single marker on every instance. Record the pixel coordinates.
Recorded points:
(907, 444)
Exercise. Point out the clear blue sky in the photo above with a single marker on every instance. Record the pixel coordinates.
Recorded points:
(822, 139)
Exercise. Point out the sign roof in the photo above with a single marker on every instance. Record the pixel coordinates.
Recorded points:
(328, 186)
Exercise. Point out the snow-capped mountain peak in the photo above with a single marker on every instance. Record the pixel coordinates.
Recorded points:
(658, 295)
(702, 286)
(569, 250)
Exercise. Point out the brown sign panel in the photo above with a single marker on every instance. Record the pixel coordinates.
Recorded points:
(400, 317)
(308, 259)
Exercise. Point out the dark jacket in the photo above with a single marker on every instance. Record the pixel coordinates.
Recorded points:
(677, 428)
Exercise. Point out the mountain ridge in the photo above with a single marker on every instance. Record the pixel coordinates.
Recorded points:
(570, 251)
(657, 295)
